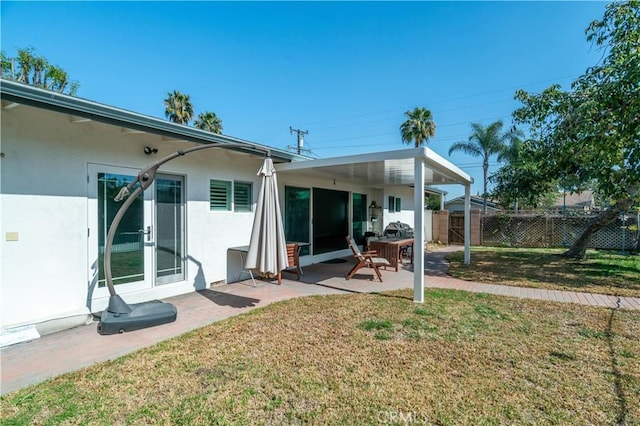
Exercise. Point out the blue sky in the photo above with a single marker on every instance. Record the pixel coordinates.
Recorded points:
(344, 71)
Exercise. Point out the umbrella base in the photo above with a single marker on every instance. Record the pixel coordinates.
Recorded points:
(142, 315)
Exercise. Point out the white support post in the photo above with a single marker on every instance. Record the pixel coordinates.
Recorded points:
(467, 224)
(418, 232)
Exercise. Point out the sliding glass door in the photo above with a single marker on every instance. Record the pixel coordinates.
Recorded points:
(330, 220)
(297, 217)
(359, 216)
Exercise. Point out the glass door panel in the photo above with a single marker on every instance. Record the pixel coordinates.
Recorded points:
(169, 229)
(297, 215)
(131, 253)
(359, 217)
(330, 220)
(127, 254)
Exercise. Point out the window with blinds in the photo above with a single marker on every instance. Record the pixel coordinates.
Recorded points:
(219, 195)
(242, 196)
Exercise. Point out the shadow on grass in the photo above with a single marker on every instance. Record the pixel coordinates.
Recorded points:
(615, 370)
(348, 290)
(226, 299)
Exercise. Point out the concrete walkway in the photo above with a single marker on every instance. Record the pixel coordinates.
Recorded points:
(33, 362)
(436, 268)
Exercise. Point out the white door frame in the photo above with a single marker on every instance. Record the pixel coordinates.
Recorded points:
(96, 292)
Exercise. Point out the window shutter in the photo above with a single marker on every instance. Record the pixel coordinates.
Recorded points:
(219, 195)
(242, 196)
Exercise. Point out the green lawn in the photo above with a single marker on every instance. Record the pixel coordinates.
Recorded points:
(459, 358)
(602, 272)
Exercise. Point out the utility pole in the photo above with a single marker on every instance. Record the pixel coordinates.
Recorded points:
(300, 134)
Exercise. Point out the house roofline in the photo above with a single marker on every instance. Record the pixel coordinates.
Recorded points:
(435, 191)
(25, 94)
(473, 199)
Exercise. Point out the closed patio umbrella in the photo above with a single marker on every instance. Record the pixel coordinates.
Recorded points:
(267, 249)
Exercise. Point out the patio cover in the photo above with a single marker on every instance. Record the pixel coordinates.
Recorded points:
(417, 167)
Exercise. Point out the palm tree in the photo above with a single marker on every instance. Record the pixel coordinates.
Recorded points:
(419, 127)
(178, 108)
(209, 121)
(485, 142)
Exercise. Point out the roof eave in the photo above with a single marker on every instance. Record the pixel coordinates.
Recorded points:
(28, 95)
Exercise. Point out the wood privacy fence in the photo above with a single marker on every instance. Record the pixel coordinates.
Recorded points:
(553, 230)
(448, 228)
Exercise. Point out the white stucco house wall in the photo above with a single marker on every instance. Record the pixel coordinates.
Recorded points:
(54, 148)
(61, 157)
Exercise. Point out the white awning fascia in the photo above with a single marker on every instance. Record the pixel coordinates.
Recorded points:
(377, 167)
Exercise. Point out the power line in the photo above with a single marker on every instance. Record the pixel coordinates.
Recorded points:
(441, 101)
(397, 132)
(450, 138)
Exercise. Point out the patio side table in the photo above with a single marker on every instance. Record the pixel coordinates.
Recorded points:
(243, 250)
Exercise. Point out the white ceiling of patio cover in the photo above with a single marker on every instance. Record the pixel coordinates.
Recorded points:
(379, 169)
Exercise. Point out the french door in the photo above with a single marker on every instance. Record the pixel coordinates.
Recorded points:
(149, 245)
(169, 229)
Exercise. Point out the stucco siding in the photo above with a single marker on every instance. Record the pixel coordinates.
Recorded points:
(44, 198)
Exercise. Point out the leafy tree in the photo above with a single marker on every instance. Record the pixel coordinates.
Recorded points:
(209, 121)
(591, 133)
(39, 70)
(419, 127)
(522, 169)
(57, 79)
(29, 68)
(178, 108)
(432, 202)
(25, 64)
(8, 69)
(503, 192)
(485, 142)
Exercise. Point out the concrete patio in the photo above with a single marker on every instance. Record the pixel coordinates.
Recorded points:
(33, 362)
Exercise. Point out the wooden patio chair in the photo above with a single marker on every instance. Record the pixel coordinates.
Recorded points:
(366, 260)
(293, 260)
